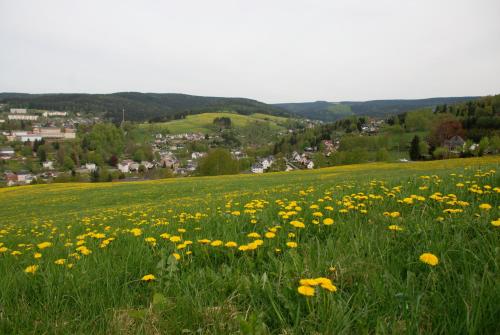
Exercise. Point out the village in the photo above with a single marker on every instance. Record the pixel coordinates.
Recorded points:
(23, 129)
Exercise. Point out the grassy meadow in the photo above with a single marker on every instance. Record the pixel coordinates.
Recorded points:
(203, 123)
(386, 248)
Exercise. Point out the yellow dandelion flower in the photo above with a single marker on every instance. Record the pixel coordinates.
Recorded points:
(60, 261)
(216, 243)
(31, 269)
(148, 278)
(485, 206)
(44, 245)
(306, 291)
(328, 221)
(429, 258)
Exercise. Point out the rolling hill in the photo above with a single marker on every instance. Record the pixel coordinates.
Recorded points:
(332, 111)
(203, 123)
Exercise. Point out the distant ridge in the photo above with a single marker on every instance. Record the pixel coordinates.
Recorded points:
(332, 111)
(140, 106)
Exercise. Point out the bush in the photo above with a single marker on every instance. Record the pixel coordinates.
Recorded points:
(441, 153)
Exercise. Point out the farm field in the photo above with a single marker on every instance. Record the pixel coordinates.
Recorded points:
(371, 248)
(203, 123)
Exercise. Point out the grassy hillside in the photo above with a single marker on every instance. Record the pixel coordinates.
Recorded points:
(203, 123)
(138, 106)
(231, 254)
(332, 111)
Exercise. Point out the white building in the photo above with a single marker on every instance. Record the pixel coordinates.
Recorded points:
(25, 178)
(91, 167)
(128, 165)
(147, 165)
(54, 113)
(267, 162)
(257, 168)
(48, 165)
(24, 117)
(197, 155)
(123, 167)
(18, 110)
(310, 165)
(6, 152)
(30, 138)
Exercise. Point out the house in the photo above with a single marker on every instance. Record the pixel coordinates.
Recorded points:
(180, 171)
(238, 154)
(24, 177)
(134, 166)
(191, 166)
(6, 152)
(328, 145)
(91, 167)
(309, 149)
(198, 155)
(267, 162)
(10, 178)
(124, 166)
(49, 165)
(310, 165)
(169, 161)
(456, 143)
(257, 168)
(296, 157)
(147, 165)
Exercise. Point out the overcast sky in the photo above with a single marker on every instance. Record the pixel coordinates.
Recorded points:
(270, 50)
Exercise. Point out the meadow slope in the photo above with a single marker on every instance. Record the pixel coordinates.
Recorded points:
(203, 123)
(372, 248)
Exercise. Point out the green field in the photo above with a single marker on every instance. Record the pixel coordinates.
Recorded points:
(203, 123)
(327, 251)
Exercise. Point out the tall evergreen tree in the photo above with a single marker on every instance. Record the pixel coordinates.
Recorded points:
(415, 154)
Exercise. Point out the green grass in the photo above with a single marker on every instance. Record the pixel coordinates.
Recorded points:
(382, 287)
(203, 123)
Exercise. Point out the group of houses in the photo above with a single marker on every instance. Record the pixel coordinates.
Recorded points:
(178, 138)
(303, 159)
(19, 178)
(372, 127)
(330, 146)
(128, 165)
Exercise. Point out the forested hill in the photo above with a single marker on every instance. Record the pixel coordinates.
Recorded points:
(139, 106)
(332, 111)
